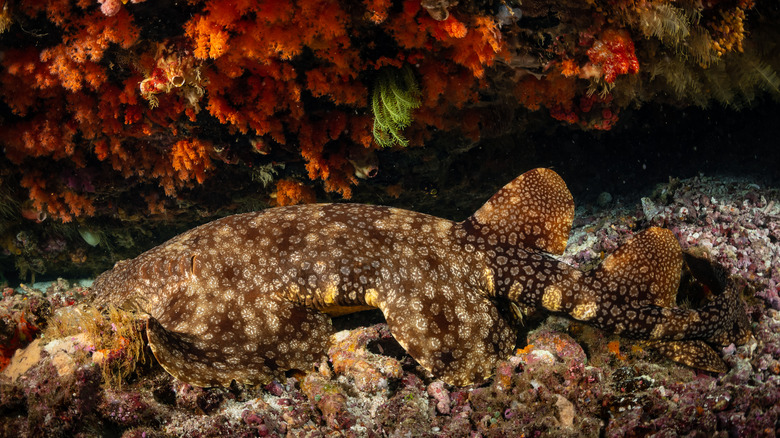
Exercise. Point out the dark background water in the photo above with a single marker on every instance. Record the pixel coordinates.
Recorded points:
(646, 147)
(657, 142)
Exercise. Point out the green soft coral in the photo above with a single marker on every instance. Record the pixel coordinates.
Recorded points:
(395, 96)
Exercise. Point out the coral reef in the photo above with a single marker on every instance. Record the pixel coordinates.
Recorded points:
(292, 193)
(111, 97)
(120, 129)
(567, 380)
(627, 53)
(126, 102)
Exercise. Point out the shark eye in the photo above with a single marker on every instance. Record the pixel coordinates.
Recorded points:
(194, 268)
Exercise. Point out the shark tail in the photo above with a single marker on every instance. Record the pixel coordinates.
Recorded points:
(638, 286)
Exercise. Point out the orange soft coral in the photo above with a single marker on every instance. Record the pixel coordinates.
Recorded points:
(554, 90)
(561, 96)
(292, 192)
(190, 159)
(377, 10)
(474, 44)
(288, 73)
(64, 204)
(480, 47)
(728, 30)
(73, 61)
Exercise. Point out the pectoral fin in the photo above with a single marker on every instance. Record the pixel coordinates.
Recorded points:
(248, 347)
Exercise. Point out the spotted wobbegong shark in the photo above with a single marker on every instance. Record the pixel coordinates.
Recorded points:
(250, 296)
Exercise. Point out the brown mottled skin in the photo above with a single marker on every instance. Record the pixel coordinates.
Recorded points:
(250, 296)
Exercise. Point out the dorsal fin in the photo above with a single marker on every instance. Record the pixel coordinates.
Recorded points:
(534, 211)
(645, 270)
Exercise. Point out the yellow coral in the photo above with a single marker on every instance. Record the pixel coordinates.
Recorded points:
(729, 31)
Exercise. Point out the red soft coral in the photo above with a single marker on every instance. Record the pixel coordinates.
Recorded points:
(613, 54)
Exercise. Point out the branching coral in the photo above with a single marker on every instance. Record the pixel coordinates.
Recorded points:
(272, 100)
(64, 204)
(292, 192)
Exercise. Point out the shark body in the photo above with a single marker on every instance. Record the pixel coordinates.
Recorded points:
(250, 296)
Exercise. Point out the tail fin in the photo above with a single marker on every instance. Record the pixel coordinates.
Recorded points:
(696, 354)
(639, 284)
(727, 320)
